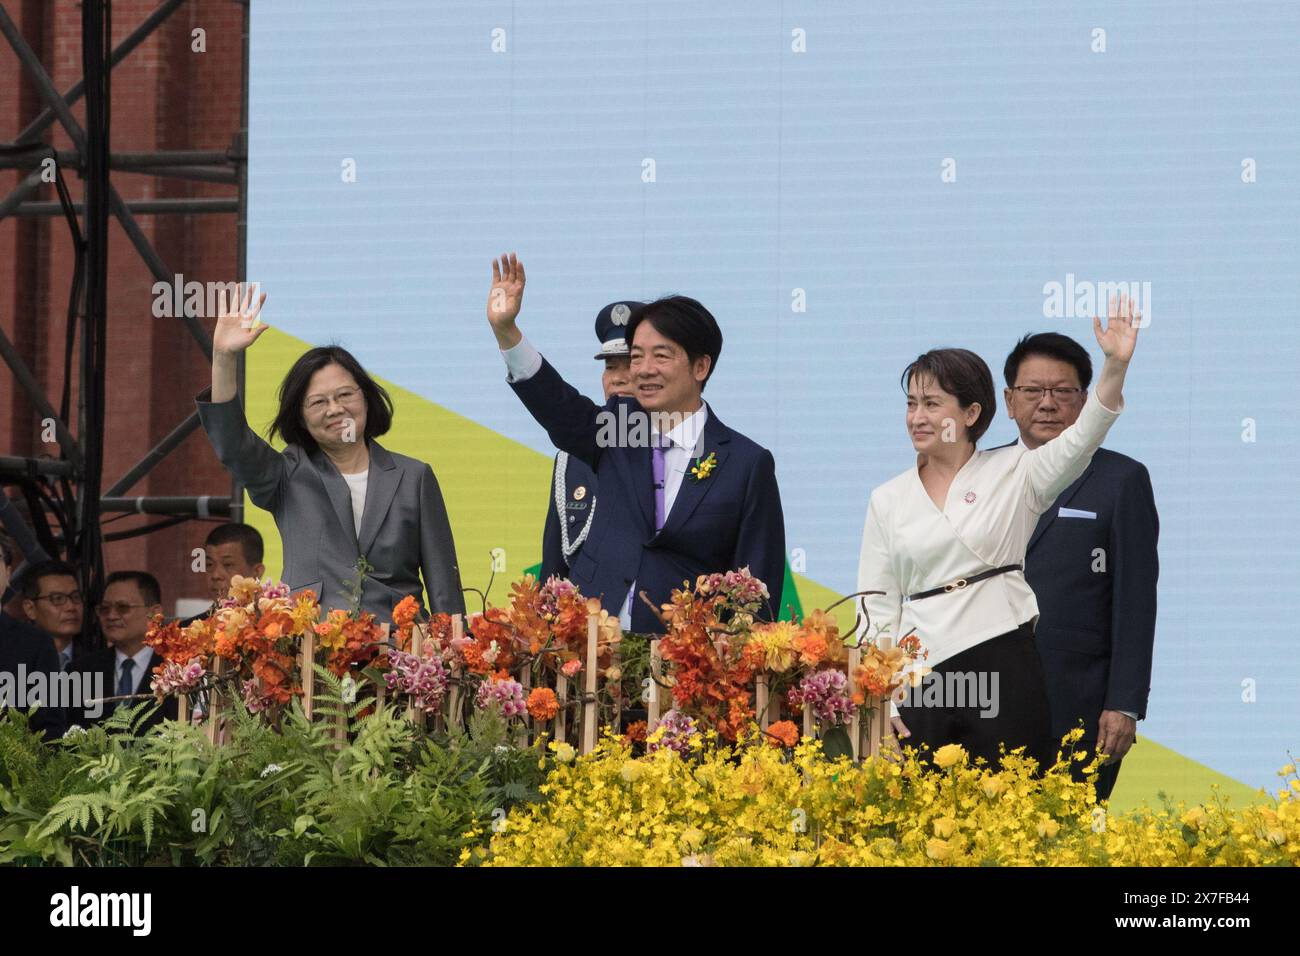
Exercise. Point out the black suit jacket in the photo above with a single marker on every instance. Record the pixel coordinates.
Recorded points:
(1097, 627)
(33, 649)
(104, 663)
(729, 520)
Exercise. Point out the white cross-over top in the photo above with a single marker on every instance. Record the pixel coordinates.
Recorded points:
(909, 545)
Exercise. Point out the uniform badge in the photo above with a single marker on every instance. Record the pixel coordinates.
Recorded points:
(579, 492)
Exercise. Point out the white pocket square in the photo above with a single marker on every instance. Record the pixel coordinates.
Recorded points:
(1072, 513)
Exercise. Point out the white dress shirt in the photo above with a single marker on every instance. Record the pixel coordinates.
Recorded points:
(523, 362)
(909, 545)
(357, 488)
(142, 660)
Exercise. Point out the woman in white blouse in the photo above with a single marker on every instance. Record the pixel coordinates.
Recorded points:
(945, 541)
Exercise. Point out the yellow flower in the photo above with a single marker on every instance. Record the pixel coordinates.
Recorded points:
(564, 753)
(777, 644)
(1047, 827)
(993, 787)
(1194, 818)
(691, 838)
(632, 771)
(937, 849)
(950, 754)
(944, 826)
(705, 468)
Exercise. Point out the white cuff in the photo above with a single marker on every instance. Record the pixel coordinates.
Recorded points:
(522, 361)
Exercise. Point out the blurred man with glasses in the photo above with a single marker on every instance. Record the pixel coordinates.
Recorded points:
(126, 666)
(1091, 562)
(52, 601)
(26, 650)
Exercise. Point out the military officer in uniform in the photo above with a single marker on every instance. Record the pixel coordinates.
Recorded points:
(573, 484)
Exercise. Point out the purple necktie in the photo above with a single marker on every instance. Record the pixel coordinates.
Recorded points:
(657, 464)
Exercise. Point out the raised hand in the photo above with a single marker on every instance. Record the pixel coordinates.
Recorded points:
(236, 325)
(507, 293)
(1120, 335)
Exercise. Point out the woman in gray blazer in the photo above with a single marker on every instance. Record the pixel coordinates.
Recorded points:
(336, 493)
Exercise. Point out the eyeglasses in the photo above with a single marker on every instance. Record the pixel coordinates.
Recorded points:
(59, 598)
(120, 608)
(344, 396)
(1034, 393)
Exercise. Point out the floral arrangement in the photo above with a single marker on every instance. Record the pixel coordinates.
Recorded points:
(542, 630)
(750, 804)
(717, 651)
(254, 638)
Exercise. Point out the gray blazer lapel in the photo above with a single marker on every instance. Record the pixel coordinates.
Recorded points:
(381, 485)
(337, 489)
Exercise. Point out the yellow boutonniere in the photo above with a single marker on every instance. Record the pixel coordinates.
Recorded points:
(705, 468)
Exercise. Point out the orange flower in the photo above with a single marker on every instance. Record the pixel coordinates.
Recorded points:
(811, 646)
(636, 732)
(783, 733)
(543, 704)
(406, 610)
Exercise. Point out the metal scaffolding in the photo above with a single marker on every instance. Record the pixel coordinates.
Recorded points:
(68, 488)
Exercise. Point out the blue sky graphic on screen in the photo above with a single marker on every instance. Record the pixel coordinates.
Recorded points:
(844, 185)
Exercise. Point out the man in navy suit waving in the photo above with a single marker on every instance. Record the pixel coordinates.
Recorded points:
(681, 493)
(1091, 561)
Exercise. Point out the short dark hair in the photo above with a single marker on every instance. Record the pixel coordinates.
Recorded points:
(146, 582)
(37, 572)
(246, 536)
(685, 321)
(962, 374)
(1052, 345)
(289, 423)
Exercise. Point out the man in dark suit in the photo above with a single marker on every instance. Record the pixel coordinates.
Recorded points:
(1091, 561)
(27, 651)
(126, 667)
(53, 603)
(682, 494)
(573, 484)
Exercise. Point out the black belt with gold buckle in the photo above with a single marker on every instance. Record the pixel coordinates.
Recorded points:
(962, 583)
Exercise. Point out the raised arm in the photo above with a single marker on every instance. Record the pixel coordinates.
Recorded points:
(258, 466)
(570, 418)
(1054, 465)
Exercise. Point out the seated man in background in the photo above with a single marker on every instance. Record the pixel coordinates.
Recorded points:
(127, 665)
(24, 651)
(230, 549)
(53, 602)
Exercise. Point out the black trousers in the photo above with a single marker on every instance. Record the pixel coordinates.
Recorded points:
(990, 694)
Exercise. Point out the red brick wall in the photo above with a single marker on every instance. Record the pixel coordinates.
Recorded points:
(163, 97)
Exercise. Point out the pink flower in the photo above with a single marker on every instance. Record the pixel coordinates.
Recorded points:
(175, 679)
(506, 694)
(677, 731)
(423, 680)
(570, 668)
(826, 692)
